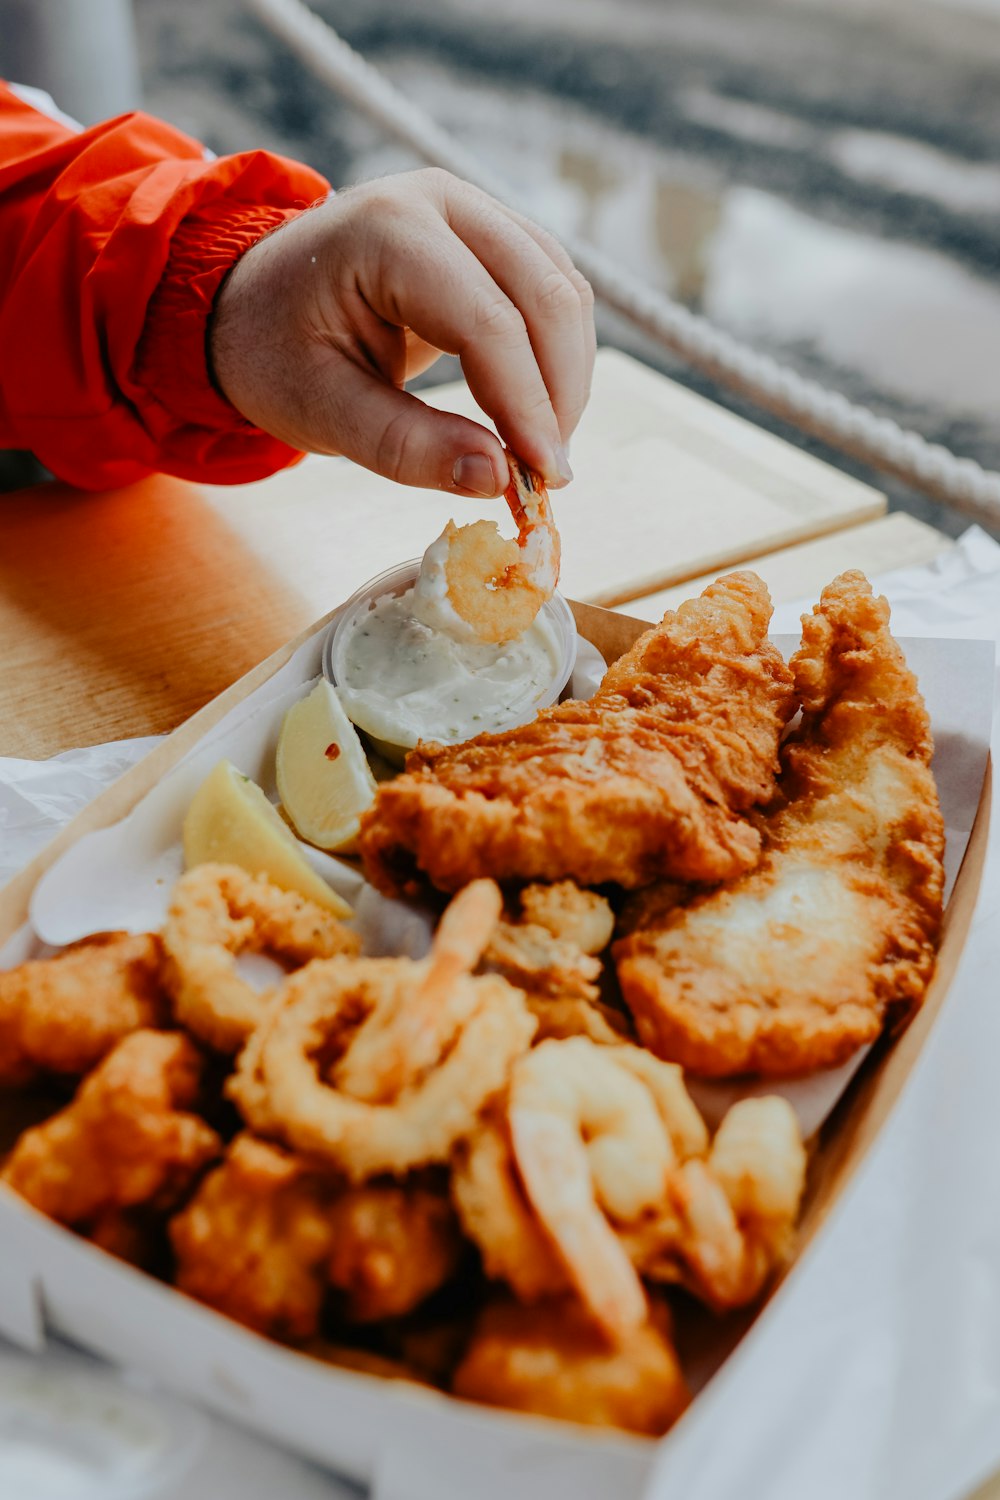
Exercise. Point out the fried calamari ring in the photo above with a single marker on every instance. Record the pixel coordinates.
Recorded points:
(218, 911)
(286, 1083)
(551, 1359)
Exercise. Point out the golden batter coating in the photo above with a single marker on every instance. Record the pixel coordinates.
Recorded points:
(552, 1360)
(797, 964)
(254, 1241)
(127, 1138)
(63, 1014)
(650, 779)
(392, 1247)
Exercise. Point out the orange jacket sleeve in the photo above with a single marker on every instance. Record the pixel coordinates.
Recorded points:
(113, 243)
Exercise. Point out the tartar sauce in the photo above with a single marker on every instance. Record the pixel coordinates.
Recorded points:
(401, 679)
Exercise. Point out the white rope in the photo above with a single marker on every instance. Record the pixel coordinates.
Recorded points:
(828, 415)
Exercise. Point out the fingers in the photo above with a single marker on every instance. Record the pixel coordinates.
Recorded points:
(467, 276)
(538, 277)
(396, 435)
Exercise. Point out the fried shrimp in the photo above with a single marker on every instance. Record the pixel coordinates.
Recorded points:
(393, 1245)
(729, 1219)
(591, 1148)
(290, 1078)
(127, 1138)
(254, 1241)
(498, 1218)
(63, 1014)
(218, 911)
(494, 585)
(552, 1360)
(405, 1038)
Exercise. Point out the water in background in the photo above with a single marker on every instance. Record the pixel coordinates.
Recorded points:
(822, 181)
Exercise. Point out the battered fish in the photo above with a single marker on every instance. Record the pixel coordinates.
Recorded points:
(63, 1014)
(796, 965)
(650, 779)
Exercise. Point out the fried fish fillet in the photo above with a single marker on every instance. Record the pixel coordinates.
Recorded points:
(799, 963)
(127, 1138)
(63, 1014)
(649, 779)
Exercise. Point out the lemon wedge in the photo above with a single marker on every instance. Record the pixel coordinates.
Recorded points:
(324, 780)
(230, 821)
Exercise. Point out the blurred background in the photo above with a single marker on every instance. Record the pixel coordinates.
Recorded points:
(822, 180)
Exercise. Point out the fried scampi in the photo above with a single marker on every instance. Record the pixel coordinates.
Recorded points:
(550, 952)
(254, 1241)
(62, 1015)
(218, 911)
(393, 1246)
(129, 1137)
(650, 779)
(553, 1360)
(796, 965)
(269, 1233)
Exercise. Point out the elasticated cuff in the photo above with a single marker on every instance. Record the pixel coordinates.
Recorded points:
(172, 360)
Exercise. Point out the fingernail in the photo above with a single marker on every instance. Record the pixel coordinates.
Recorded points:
(561, 455)
(474, 472)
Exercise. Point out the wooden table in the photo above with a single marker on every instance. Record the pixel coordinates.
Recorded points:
(121, 613)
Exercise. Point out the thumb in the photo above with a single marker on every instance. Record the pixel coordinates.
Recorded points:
(397, 435)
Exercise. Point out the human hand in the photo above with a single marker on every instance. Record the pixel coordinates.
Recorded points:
(319, 325)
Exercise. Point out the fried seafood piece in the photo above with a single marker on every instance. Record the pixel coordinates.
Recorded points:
(393, 1246)
(218, 911)
(552, 1359)
(255, 1240)
(63, 1014)
(650, 779)
(596, 1133)
(497, 1216)
(381, 1065)
(549, 952)
(562, 1018)
(128, 1137)
(729, 1221)
(796, 965)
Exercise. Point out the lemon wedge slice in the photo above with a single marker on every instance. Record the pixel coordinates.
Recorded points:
(324, 780)
(230, 821)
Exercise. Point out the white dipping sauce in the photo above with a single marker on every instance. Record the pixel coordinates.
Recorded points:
(402, 680)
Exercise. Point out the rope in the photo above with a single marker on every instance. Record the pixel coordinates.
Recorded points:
(828, 415)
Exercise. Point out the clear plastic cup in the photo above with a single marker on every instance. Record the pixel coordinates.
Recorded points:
(396, 581)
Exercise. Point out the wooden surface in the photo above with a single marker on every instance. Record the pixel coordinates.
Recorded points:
(124, 612)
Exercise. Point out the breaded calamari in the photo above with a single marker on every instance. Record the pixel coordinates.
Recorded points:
(805, 959)
(650, 779)
(63, 1014)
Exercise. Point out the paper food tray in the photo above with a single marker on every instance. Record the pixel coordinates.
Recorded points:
(408, 1442)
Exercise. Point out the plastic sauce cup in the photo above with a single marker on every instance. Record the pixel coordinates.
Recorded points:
(396, 581)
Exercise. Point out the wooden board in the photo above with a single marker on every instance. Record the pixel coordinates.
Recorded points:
(802, 571)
